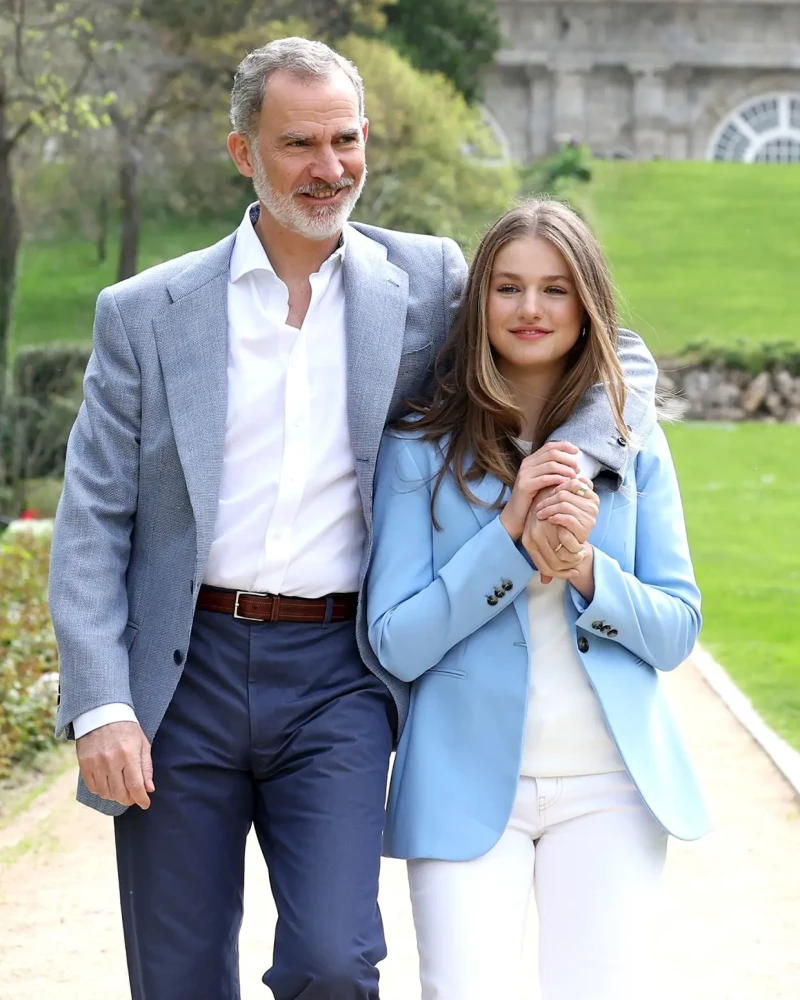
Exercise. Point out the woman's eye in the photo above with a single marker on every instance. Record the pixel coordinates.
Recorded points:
(507, 289)
(554, 289)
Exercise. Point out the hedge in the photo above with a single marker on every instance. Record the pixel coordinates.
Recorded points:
(28, 657)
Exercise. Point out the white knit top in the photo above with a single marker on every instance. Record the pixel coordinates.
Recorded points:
(565, 733)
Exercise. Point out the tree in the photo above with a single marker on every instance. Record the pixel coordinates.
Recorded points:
(456, 37)
(168, 60)
(433, 165)
(43, 76)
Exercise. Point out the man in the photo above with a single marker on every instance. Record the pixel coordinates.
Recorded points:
(213, 537)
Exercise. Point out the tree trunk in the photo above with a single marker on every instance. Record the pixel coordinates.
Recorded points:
(129, 208)
(102, 229)
(10, 235)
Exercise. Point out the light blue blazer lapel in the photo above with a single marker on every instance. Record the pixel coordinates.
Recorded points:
(376, 303)
(192, 342)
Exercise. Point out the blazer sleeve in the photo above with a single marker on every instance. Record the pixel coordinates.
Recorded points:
(414, 614)
(591, 427)
(92, 534)
(454, 277)
(653, 612)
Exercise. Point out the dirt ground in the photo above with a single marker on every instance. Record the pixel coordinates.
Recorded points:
(729, 930)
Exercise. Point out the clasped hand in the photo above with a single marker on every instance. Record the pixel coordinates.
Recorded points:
(552, 510)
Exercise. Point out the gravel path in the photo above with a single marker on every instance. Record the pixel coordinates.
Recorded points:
(730, 928)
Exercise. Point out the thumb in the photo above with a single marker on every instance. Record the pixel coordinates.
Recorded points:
(147, 767)
(546, 579)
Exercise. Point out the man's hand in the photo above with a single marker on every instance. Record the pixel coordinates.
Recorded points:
(553, 539)
(115, 763)
(554, 551)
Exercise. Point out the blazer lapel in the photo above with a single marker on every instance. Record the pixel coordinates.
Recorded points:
(192, 342)
(376, 303)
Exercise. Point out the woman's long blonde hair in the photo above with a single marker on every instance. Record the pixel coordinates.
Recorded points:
(473, 414)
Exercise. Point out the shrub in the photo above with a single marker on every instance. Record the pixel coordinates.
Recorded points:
(746, 355)
(28, 657)
(36, 419)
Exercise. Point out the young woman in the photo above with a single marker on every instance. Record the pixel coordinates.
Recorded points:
(539, 754)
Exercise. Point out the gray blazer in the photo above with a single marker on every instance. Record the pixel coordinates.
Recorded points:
(137, 515)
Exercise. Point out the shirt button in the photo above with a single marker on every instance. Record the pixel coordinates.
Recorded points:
(583, 644)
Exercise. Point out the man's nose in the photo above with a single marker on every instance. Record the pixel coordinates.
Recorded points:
(327, 166)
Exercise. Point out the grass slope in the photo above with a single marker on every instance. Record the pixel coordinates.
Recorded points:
(59, 281)
(701, 250)
(739, 485)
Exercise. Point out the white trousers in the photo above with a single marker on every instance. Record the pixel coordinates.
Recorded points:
(593, 856)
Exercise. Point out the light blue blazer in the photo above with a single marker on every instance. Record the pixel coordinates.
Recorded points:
(433, 620)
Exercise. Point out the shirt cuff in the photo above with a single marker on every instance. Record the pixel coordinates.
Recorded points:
(104, 715)
(588, 466)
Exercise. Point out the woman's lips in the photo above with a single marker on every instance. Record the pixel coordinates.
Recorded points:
(530, 332)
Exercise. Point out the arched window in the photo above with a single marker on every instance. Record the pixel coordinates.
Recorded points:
(763, 130)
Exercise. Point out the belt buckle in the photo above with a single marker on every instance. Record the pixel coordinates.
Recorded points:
(246, 593)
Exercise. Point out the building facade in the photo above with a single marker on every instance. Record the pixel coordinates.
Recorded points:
(686, 79)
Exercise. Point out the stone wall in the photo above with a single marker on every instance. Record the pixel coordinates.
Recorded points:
(717, 392)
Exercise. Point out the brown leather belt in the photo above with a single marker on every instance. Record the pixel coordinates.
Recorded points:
(251, 607)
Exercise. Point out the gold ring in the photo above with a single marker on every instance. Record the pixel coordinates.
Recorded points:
(582, 491)
(559, 547)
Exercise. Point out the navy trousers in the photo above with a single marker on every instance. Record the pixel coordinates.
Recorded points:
(281, 726)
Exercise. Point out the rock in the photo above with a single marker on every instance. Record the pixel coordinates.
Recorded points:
(792, 417)
(724, 394)
(666, 383)
(695, 385)
(784, 384)
(775, 405)
(756, 393)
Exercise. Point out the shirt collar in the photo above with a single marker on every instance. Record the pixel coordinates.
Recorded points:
(249, 254)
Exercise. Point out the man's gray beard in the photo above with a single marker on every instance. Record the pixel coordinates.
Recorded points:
(322, 223)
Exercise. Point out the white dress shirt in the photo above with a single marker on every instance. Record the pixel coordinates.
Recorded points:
(290, 519)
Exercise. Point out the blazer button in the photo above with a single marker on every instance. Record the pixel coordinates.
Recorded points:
(499, 592)
(583, 644)
(597, 626)
(177, 656)
(613, 633)
(606, 629)
(621, 441)
(491, 599)
(507, 585)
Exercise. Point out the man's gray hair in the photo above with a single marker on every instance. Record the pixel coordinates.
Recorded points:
(299, 56)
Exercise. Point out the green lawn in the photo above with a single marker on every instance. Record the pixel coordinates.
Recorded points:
(740, 488)
(59, 281)
(701, 250)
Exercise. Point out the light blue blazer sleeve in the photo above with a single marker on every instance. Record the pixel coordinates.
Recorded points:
(415, 615)
(655, 610)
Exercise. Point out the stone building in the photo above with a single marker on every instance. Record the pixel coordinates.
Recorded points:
(686, 79)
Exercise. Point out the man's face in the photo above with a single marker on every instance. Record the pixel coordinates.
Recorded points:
(308, 163)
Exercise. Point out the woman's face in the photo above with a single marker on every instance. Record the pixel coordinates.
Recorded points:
(534, 313)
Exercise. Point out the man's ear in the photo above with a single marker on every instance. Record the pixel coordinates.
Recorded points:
(239, 149)
(365, 129)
